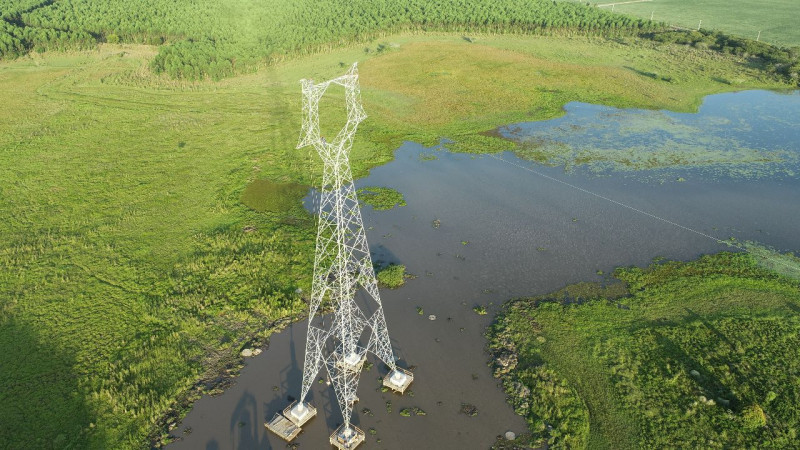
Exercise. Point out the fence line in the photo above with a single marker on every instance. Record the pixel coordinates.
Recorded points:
(623, 3)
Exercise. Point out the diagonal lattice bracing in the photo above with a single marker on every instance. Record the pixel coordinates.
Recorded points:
(342, 267)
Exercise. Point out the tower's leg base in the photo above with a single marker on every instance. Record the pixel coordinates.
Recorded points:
(300, 412)
(347, 438)
(287, 425)
(398, 380)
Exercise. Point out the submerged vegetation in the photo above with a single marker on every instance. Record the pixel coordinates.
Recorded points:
(380, 198)
(675, 355)
(786, 264)
(600, 139)
(715, 158)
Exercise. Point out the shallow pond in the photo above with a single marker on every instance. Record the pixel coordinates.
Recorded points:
(747, 134)
(505, 232)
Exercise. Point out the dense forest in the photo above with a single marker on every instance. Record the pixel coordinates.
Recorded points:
(218, 38)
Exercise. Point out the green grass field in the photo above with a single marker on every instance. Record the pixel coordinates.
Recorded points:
(776, 19)
(679, 355)
(133, 271)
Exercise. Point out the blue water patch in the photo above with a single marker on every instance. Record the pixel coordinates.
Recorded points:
(747, 134)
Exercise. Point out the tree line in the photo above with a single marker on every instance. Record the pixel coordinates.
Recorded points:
(218, 38)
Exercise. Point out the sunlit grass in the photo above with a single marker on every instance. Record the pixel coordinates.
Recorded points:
(131, 267)
(774, 18)
(680, 354)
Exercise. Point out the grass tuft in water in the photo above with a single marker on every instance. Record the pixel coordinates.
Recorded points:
(392, 276)
(380, 198)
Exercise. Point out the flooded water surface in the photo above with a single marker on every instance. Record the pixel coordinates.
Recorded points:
(479, 229)
(747, 134)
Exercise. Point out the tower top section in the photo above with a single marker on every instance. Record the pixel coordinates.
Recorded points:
(310, 134)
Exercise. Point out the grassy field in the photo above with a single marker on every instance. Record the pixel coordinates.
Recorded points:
(133, 270)
(678, 355)
(776, 19)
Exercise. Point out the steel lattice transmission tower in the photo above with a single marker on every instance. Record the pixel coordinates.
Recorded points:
(342, 267)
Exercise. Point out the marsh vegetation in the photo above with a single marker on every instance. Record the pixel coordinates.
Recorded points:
(152, 225)
(675, 354)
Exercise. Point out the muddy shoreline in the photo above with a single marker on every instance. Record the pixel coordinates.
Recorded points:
(218, 378)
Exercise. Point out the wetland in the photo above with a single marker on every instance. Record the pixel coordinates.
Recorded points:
(133, 247)
(477, 231)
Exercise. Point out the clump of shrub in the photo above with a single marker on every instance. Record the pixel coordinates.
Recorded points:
(380, 198)
(392, 276)
(778, 60)
(753, 417)
(415, 411)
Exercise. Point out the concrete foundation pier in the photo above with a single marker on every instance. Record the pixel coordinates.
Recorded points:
(398, 380)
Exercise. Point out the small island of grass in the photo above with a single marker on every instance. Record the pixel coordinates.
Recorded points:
(380, 198)
(392, 276)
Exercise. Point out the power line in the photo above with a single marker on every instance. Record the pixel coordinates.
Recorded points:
(632, 208)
